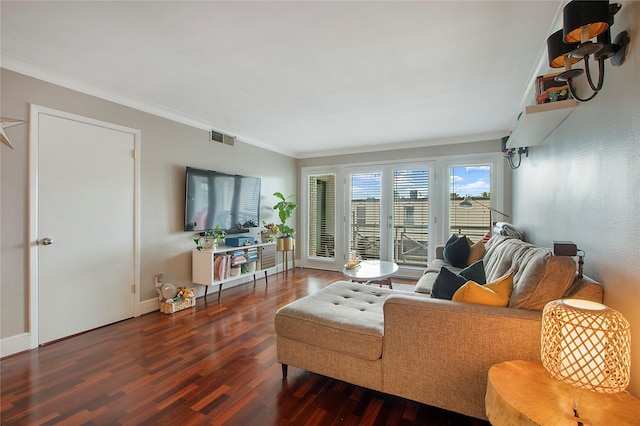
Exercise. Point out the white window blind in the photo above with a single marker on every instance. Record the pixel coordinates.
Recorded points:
(364, 214)
(411, 216)
(322, 216)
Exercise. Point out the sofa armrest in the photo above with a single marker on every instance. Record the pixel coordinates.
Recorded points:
(440, 252)
(439, 352)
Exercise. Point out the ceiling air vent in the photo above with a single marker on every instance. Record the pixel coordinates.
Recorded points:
(222, 138)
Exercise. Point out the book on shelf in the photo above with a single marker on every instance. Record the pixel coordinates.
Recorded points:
(237, 260)
(221, 267)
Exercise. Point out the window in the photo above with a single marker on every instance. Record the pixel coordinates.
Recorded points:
(390, 214)
(411, 216)
(322, 216)
(364, 223)
(473, 181)
(408, 215)
(395, 211)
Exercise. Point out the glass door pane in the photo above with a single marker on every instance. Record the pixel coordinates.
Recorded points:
(470, 201)
(364, 214)
(322, 216)
(411, 216)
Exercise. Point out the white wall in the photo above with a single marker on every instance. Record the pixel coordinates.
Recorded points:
(583, 185)
(167, 147)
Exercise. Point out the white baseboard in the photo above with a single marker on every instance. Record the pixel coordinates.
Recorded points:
(22, 342)
(149, 305)
(15, 344)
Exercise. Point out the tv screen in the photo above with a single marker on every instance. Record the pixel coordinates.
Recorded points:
(214, 198)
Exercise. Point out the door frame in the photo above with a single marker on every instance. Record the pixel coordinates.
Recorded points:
(34, 113)
(335, 263)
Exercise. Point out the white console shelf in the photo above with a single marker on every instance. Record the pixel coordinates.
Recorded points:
(537, 122)
(224, 264)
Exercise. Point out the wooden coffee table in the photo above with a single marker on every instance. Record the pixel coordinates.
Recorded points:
(372, 272)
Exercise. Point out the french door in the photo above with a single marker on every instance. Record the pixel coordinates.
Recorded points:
(321, 229)
(388, 213)
(367, 215)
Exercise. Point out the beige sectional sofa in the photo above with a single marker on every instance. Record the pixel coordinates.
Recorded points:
(433, 351)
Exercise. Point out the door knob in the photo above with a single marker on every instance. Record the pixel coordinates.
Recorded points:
(46, 241)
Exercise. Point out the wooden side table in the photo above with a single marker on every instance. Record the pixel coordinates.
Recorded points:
(524, 393)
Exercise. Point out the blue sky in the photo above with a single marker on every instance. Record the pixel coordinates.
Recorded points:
(465, 180)
(472, 180)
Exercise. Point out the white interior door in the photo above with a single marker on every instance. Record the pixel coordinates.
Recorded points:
(85, 225)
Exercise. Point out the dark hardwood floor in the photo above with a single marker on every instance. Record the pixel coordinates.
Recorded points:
(215, 364)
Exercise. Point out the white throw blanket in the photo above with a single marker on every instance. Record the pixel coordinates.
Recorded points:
(508, 230)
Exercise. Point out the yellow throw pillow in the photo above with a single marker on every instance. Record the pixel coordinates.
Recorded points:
(476, 252)
(496, 293)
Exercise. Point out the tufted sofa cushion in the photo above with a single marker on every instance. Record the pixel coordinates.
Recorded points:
(344, 317)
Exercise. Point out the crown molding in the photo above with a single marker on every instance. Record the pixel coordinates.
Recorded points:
(30, 69)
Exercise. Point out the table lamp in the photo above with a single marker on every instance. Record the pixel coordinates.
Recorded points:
(586, 345)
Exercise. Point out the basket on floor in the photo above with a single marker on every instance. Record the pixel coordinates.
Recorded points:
(169, 308)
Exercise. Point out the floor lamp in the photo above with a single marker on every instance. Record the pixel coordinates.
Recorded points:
(466, 203)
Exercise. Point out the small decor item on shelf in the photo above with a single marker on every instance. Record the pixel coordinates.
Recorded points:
(550, 90)
(184, 298)
(238, 241)
(208, 239)
(269, 232)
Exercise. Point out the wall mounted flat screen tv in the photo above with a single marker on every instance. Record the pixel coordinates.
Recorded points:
(213, 198)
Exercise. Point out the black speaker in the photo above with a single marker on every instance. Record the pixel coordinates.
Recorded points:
(564, 248)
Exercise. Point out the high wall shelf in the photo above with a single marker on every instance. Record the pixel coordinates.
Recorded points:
(537, 122)
(224, 264)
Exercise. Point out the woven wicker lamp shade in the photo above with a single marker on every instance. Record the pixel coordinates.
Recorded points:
(587, 345)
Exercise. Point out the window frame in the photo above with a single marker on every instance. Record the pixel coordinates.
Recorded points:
(438, 190)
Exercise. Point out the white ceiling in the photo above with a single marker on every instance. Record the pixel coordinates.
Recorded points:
(302, 78)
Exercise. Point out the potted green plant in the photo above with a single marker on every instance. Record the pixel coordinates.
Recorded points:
(209, 239)
(285, 209)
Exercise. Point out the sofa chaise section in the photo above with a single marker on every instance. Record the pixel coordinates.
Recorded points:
(336, 332)
(429, 350)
